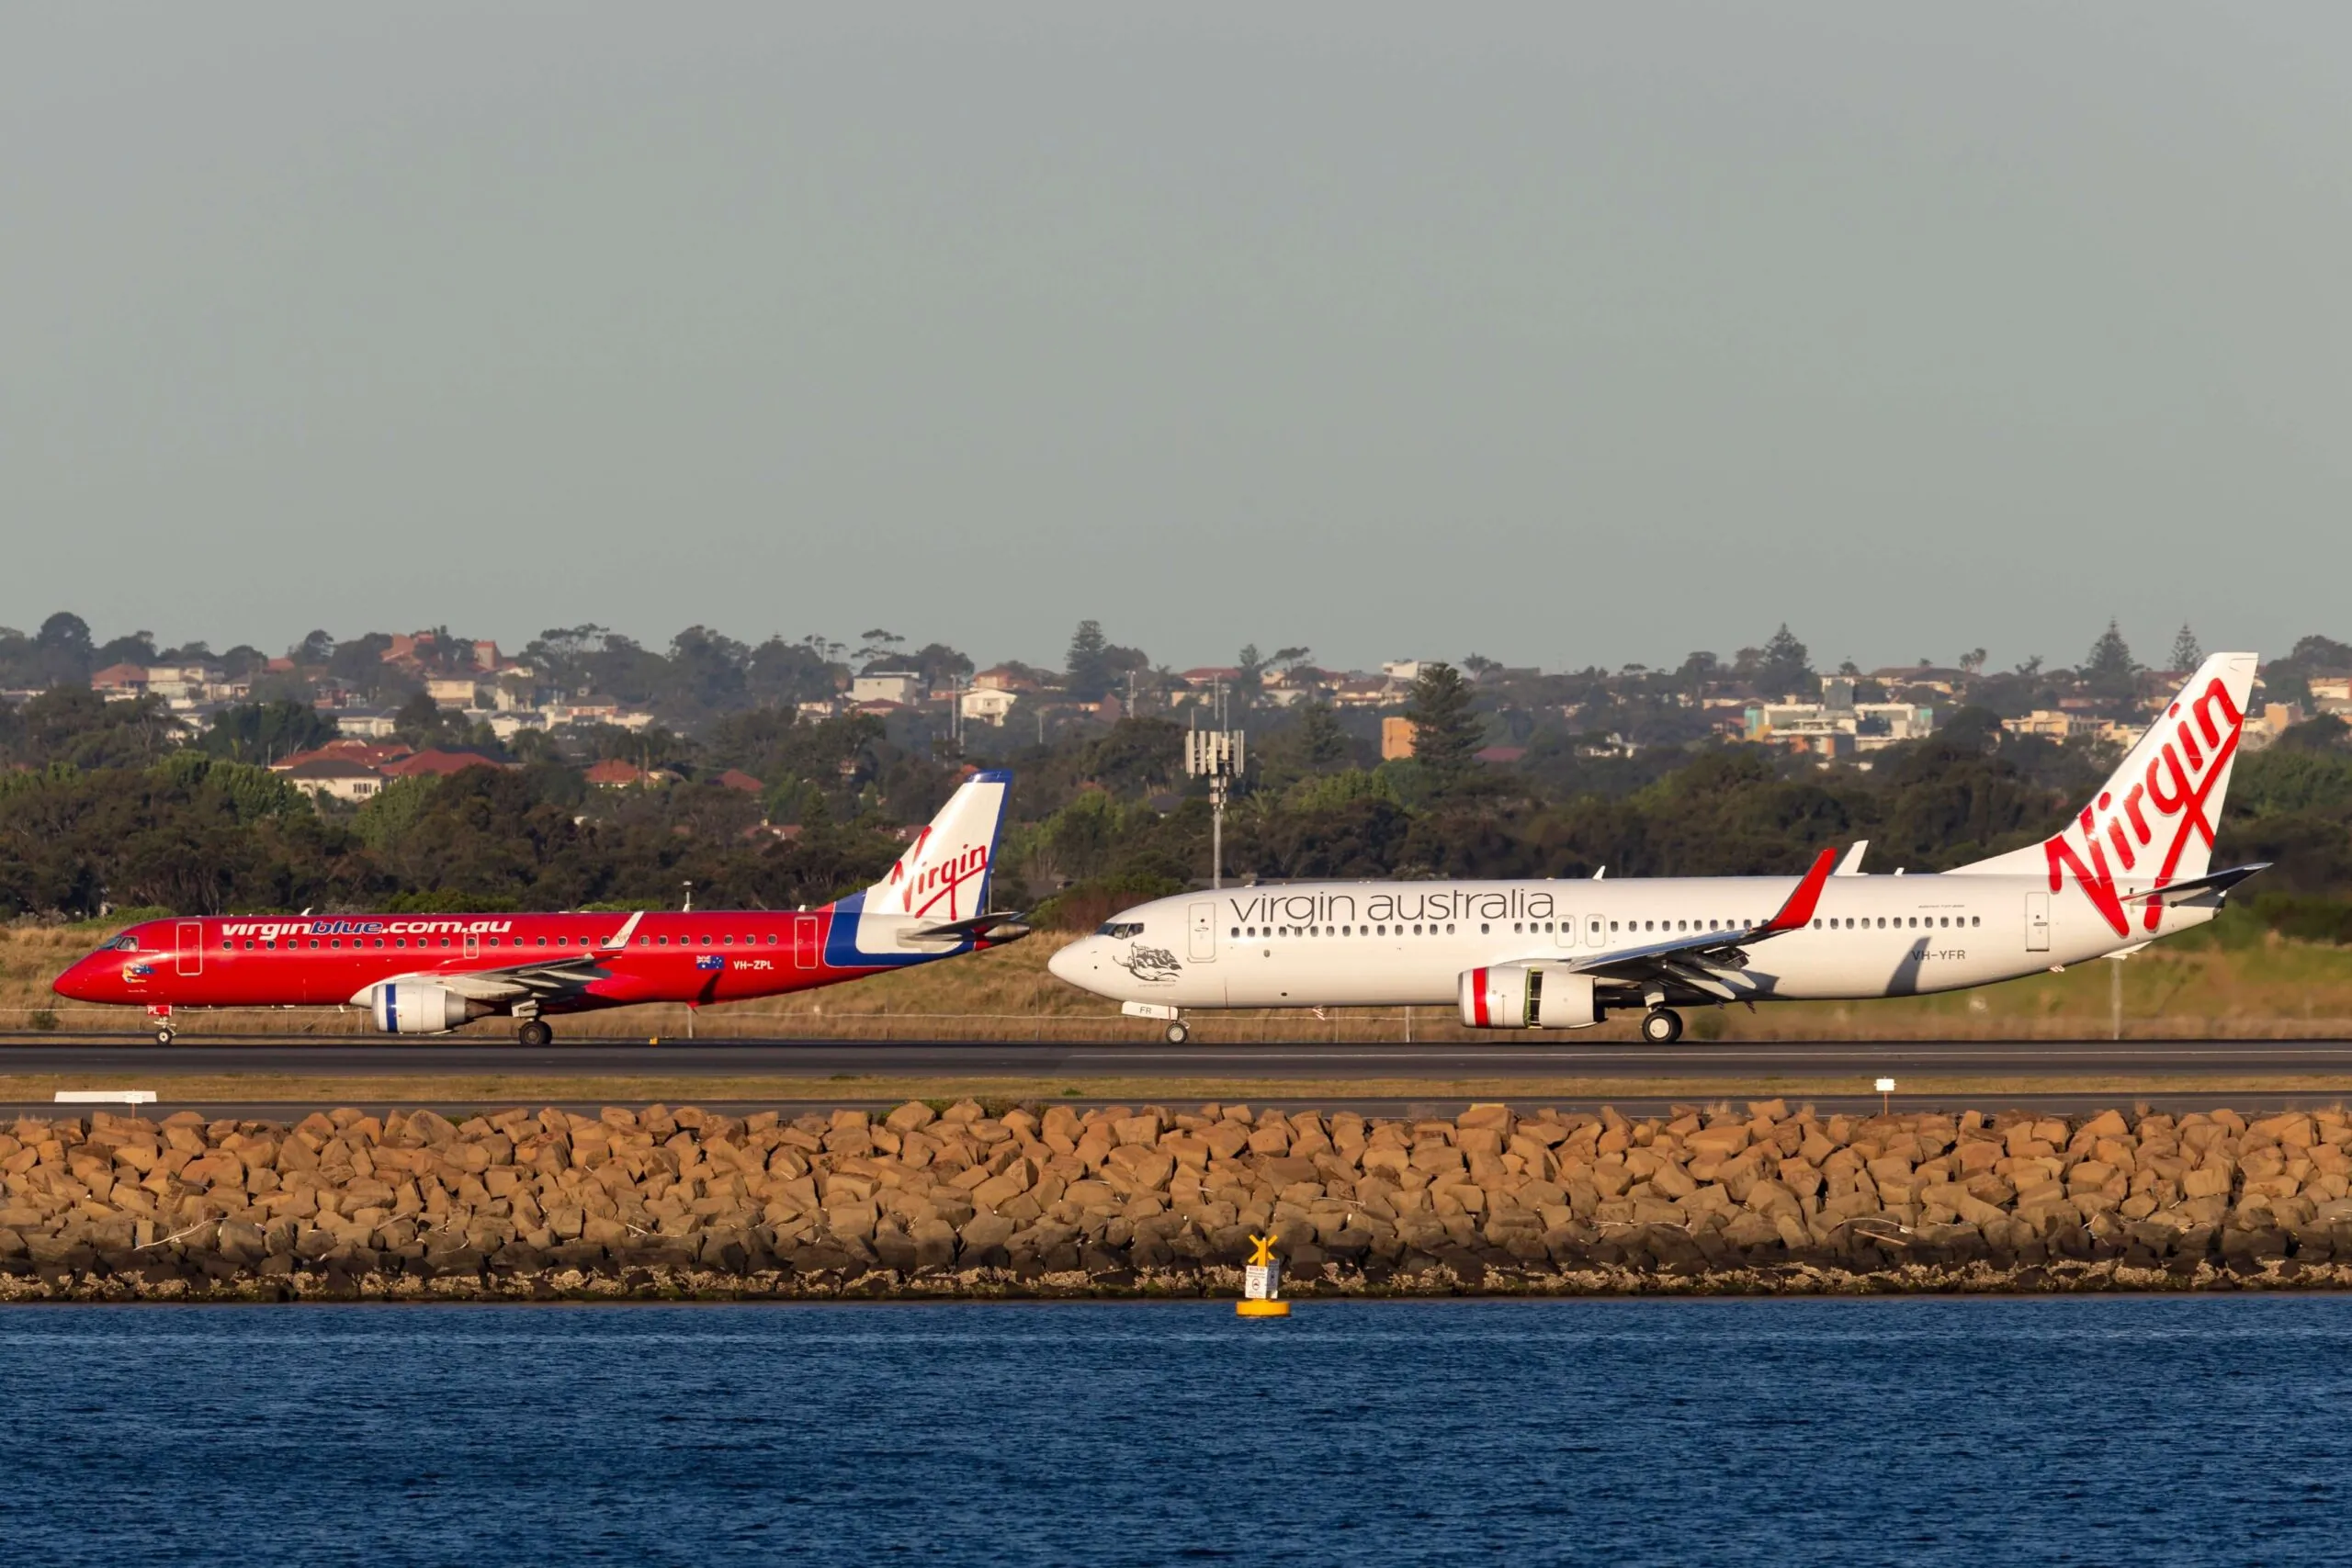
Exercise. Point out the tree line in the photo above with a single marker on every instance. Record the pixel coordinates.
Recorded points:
(108, 806)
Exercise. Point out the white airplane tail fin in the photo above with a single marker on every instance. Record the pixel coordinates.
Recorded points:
(943, 876)
(2150, 824)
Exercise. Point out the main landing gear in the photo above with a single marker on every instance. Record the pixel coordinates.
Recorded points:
(534, 1033)
(1661, 1026)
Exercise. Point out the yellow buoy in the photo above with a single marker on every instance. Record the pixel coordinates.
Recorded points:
(1262, 1282)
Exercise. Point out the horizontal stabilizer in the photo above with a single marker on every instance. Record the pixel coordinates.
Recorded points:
(2216, 881)
(995, 930)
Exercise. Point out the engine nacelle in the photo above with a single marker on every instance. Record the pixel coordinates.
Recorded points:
(415, 1007)
(1527, 995)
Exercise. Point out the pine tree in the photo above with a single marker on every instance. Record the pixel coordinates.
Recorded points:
(1786, 669)
(1088, 667)
(2109, 669)
(2185, 654)
(1322, 744)
(1446, 734)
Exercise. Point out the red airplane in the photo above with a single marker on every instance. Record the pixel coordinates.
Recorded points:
(430, 974)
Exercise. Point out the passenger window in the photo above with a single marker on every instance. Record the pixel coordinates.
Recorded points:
(1975, 919)
(228, 947)
(1613, 925)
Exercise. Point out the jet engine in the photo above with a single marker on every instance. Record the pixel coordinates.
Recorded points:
(1527, 995)
(414, 1007)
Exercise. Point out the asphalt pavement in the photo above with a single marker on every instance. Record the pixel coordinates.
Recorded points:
(1339, 1062)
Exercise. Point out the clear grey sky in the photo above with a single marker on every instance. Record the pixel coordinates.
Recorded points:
(1561, 333)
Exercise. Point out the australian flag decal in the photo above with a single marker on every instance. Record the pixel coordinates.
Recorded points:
(710, 961)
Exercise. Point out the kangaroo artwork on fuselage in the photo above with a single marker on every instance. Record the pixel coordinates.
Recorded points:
(2132, 866)
(430, 974)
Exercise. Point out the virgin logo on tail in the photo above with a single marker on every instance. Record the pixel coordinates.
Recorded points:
(2169, 801)
(919, 892)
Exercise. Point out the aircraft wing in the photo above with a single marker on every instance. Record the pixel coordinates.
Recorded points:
(541, 978)
(1687, 959)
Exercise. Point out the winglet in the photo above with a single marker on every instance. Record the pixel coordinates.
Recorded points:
(1797, 912)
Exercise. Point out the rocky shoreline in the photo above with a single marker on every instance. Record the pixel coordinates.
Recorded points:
(967, 1202)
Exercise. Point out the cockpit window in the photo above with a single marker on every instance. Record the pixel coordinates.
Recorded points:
(1120, 929)
(125, 944)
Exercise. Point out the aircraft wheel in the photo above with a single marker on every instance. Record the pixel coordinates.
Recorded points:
(163, 1034)
(534, 1034)
(1662, 1026)
(1177, 1034)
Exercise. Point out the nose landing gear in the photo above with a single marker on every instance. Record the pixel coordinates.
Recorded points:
(1178, 1033)
(1661, 1026)
(163, 1034)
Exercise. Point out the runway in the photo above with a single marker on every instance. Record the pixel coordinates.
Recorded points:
(1338, 1062)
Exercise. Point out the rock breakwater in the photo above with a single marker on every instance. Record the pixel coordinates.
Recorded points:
(971, 1200)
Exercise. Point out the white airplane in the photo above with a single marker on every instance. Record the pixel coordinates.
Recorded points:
(2132, 866)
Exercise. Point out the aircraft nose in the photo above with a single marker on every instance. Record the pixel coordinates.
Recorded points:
(75, 984)
(1070, 965)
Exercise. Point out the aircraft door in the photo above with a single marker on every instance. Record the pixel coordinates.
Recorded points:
(1596, 931)
(1203, 931)
(2037, 922)
(190, 957)
(804, 942)
(1565, 933)
(473, 945)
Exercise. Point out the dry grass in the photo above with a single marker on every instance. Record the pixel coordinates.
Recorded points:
(2197, 988)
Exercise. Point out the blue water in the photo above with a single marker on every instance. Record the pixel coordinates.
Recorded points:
(2057, 1431)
